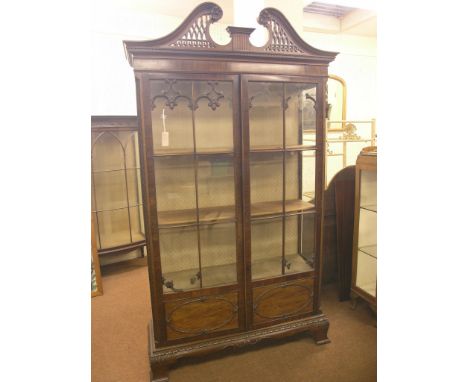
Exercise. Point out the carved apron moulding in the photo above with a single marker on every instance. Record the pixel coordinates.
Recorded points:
(162, 355)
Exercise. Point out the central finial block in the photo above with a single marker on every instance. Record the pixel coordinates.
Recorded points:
(240, 37)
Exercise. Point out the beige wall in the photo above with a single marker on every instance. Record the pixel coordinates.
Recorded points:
(113, 90)
(357, 64)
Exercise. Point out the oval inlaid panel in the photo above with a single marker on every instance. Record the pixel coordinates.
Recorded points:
(283, 301)
(201, 315)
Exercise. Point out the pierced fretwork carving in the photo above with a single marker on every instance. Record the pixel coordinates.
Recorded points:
(213, 96)
(308, 96)
(171, 96)
(279, 41)
(198, 34)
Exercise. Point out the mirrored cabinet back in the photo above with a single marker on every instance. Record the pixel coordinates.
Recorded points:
(232, 158)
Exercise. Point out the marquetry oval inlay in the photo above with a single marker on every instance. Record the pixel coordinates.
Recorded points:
(283, 301)
(202, 315)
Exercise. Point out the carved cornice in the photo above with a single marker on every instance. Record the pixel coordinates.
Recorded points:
(284, 39)
(114, 122)
(193, 37)
(279, 40)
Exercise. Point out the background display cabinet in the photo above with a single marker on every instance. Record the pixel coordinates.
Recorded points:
(116, 187)
(364, 280)
(232, 188)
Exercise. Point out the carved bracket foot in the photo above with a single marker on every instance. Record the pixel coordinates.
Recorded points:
(320, 334)
(160, 371)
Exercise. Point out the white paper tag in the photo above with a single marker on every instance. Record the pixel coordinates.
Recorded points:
(165, 138)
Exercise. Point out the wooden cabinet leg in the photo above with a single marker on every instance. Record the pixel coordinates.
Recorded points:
(320, 335)
(160, 372)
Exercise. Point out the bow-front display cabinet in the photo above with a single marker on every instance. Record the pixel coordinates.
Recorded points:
(232, 154)
(364, 278)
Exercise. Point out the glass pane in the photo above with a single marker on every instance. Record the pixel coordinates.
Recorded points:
(172, 116)
(107, 153)
(266, 244)
(136, 220)
(175, 189)
(179, 257)
(134, 187)
(218, 254)
(367, 240)
(300, 115)
(266, 114)
(110, 190)
(266, 183)
(113, 228)
(300, 178)
(213, 116)
(132, 150)
(366, 275)
(96, 232)
(369, 190)
(216, 190)
(299, 243)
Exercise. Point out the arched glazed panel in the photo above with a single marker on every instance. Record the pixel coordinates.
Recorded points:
(171, 116)
(107, 153)
(266, 114)
(213, 115)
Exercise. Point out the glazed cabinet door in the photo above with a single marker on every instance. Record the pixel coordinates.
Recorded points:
(192, 145)
(282, 208)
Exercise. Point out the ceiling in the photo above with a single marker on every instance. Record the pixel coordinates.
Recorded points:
(327, 17)
(324, 16)
(327, 9)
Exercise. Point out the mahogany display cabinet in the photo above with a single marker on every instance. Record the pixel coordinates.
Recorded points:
(364, 276)
(116, 197)
(232, 191)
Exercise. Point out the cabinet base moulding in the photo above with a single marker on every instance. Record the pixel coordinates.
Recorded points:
(162, 358)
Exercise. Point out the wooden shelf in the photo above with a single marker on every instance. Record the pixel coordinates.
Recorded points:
(370, 250)
(226, 274)
(369, 288)
(221, 214)
(272, 267)
(370, 207)
(275, 148)
(347, 140)
(118, 208)
(186, 152)
(121, 249)
(188, 216)
(119, 239)
(300, 147)
(212, 276)
(115, 170)
(276, 208)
